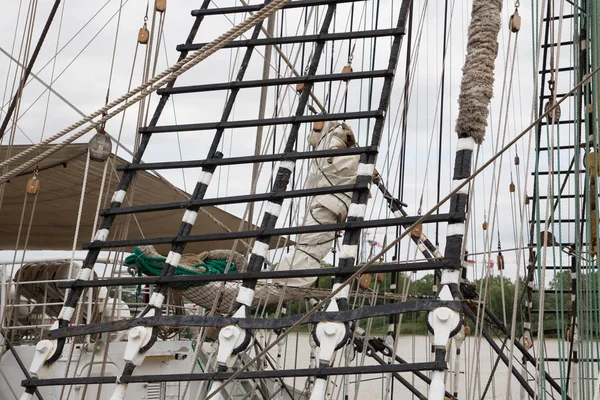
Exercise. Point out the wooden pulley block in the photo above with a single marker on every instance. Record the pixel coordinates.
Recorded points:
(517, 160)
(33, 185)
(500, 261)
(143, 35)
(299, 87)
(511, 188)
(347, 70)
(467, 330)
(569, 334)
(484, 225)
(380, 277)
(417, 231)
(591, 160)
(527, 343)
(594, 231)
(160, 5)
(546, 238)
(526, 199)
(365, 281)
(515, 22)
(318, 126)
(554, 116)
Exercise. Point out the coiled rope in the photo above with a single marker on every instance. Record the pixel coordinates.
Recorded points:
(153, 266)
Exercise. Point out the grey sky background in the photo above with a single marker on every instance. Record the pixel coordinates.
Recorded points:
(81, 69)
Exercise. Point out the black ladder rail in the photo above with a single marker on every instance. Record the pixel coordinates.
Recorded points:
(269, 41)
(221, 376)
(252, 123)
(266, 232)
(245, 292)
(292, 80)
(249, 159)
(126, 179)
(257, 7)
(425, 265)
(160, 291)
(380, 310)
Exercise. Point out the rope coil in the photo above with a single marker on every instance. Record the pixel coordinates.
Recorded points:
(139, 263)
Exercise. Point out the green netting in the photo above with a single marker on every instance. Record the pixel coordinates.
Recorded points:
(153, 266)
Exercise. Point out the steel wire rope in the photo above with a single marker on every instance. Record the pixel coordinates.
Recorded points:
(16, 100)
(48, 87)
(62, 12)
(59, 51)
(100, 195)
(541, 384)
(12, 301)
(71, 268)
(145, 89)
(551, 132)
(12, 50)
(15, 103)
(29, 20)
(502, 126)
(277, 48)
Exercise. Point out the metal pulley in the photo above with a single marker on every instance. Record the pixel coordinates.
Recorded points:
(100, 146)
(515, 22)
(160, 5)
(143, 35)
(33, 184)
(554, 115)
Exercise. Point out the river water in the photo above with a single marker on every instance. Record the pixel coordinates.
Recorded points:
(475, 371)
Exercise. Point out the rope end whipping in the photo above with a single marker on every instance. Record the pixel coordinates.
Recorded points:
(478, 74)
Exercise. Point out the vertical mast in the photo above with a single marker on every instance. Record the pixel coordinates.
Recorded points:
(474, 99)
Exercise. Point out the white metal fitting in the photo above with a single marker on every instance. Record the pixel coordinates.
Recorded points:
(318, 392)
(137, 338)
(330, 335)
(230, 338)
(216, 386)
(443, 321)
(26, 396)
(119, 393)
(44, 349)
(437, 387)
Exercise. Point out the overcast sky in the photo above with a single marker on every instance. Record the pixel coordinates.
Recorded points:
(78, 61)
